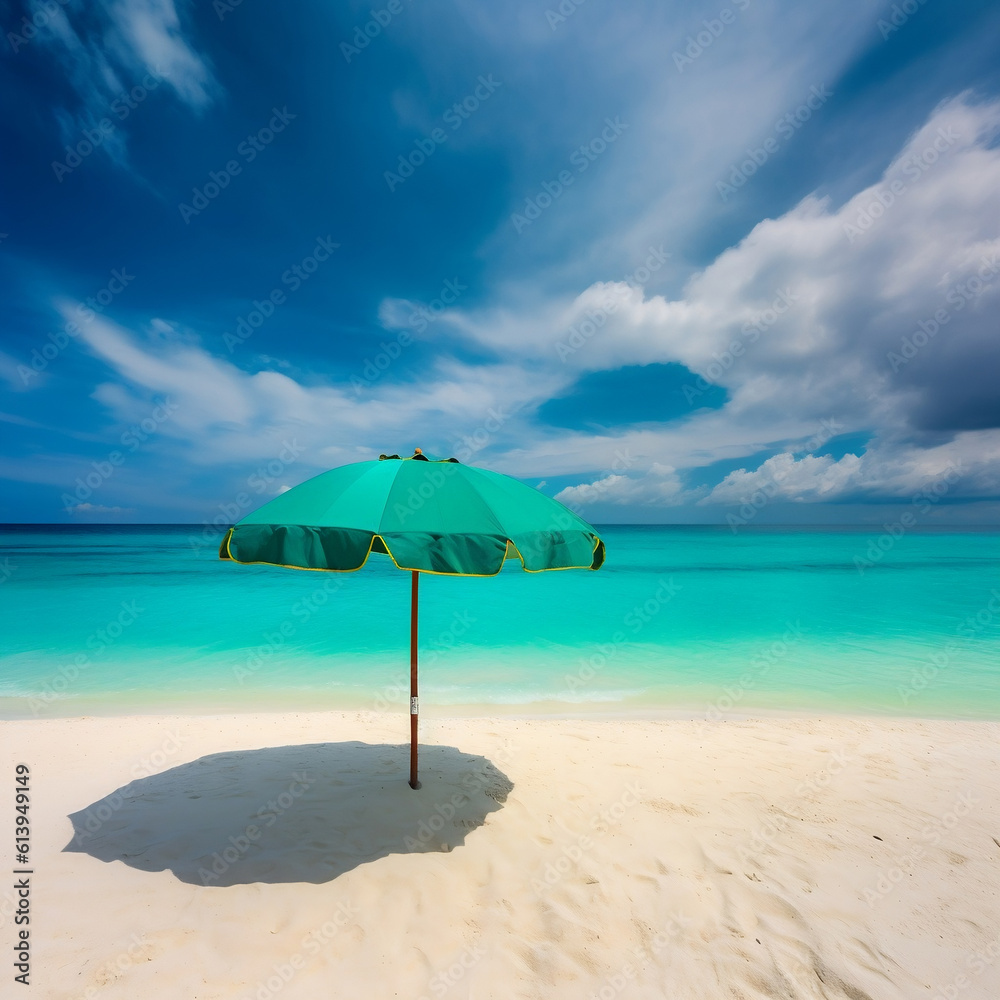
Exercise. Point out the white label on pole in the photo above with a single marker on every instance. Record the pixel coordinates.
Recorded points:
(413, 706)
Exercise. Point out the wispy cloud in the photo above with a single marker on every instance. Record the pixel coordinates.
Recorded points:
(224, 414)
(851, 280)
(115, 52)
(147, 36)
(99, 510)
(879, 313)
(826, 310)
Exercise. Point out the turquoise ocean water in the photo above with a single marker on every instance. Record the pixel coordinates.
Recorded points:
(107, 619)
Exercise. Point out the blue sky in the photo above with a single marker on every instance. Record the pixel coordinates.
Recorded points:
(686, 262)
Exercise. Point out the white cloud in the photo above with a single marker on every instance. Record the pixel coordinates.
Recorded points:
(968, 466)
(661, 486)
(809, 478)
(114, 46)
(95, 509)
(822, 313)
(9, 372)
(148, 37)
(223, 414)
(815, 310)
(894, 274)
(686, 125)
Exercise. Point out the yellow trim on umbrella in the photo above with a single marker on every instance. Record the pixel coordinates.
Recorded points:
(406, 569)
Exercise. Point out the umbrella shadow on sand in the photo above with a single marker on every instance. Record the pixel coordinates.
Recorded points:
(290, 814)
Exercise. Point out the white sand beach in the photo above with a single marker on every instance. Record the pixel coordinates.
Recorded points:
(262, 855)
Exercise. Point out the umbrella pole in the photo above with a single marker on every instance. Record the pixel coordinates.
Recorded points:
(413, 682)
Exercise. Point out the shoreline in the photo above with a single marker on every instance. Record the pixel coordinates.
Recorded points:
(196, 706)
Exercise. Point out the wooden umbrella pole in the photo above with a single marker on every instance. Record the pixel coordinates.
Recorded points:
(413, 683)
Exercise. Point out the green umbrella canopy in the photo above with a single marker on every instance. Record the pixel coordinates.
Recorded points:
(428, 516)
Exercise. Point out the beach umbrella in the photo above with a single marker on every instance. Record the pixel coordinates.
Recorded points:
(426, 515)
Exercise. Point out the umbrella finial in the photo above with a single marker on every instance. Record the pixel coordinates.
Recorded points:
(418, 451)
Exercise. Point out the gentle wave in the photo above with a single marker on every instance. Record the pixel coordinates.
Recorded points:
(678, 616)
